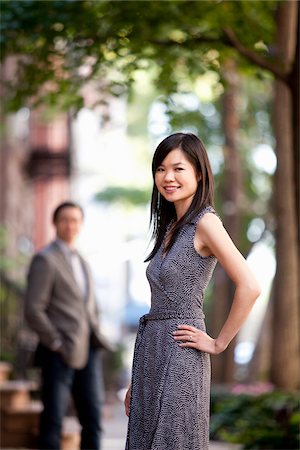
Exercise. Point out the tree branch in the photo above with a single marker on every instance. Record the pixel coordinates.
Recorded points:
(277, 71)
(232, 41)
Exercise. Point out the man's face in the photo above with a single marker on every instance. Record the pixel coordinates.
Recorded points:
(68, 224)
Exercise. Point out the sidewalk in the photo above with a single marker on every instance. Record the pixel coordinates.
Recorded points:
(115, 428)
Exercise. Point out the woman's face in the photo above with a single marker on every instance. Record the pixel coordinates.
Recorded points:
(176, 179)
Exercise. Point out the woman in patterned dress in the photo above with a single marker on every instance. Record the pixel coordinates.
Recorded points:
(168, 399)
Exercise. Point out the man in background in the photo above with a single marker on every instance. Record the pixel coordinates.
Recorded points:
(60, 306)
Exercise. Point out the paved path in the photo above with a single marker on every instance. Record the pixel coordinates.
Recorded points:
(115, 427)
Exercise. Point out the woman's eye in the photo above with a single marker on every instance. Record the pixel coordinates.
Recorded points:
(159, 169)
(179, 168)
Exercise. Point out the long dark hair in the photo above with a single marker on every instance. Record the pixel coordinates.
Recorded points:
(162, 211)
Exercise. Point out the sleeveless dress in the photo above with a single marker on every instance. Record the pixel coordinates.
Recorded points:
(171, 385)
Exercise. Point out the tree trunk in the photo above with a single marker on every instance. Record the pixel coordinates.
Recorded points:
(223, 366)
(285, 333)
(259, 367)
(294, 83)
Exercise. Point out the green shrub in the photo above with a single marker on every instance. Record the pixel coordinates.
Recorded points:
(266, 421)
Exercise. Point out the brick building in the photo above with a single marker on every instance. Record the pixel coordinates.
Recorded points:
(35, 162)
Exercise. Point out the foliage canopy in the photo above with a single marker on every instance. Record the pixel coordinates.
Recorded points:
(60, 45)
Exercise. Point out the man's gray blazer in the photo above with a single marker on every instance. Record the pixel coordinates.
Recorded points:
(55, 308)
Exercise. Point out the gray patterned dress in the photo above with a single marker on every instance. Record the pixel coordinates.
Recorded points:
(170, 384)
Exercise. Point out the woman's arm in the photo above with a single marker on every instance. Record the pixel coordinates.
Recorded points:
(127, 401)
(212, 239)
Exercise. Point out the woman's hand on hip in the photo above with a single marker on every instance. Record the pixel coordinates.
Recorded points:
(192, 337)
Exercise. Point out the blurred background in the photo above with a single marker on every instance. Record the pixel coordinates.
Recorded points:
(89, 88)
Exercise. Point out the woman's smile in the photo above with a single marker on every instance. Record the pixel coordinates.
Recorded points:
(171, 189)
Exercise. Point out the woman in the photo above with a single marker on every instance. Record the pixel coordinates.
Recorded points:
(168, 400)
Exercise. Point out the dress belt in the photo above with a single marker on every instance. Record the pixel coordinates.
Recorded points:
(164, 316)
(172, 315)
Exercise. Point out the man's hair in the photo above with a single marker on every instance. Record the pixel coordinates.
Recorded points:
(67, 204)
